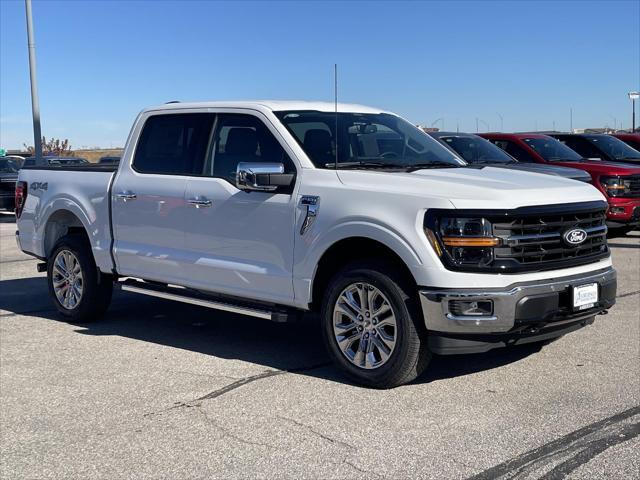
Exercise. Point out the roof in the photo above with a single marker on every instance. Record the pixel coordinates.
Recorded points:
(273, 105)
(513, 135)
(452, 134)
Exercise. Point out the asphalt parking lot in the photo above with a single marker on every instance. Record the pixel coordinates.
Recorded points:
(163, 390)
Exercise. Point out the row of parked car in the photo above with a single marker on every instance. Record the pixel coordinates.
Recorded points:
(609, 162)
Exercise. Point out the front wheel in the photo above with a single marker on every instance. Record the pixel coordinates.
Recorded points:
(372, 326)
(80, 292)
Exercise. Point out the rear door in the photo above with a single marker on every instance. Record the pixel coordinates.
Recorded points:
(148, 196)
(240, 242)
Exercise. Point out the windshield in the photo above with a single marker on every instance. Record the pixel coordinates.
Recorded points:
(477, 150)
(551, 149)
(614, 147)
(7, 165)
(365, 140)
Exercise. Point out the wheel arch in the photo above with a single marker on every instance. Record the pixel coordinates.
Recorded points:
(351, 249)
(60, 223)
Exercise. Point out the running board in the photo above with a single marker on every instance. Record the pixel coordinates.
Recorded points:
(195, 297)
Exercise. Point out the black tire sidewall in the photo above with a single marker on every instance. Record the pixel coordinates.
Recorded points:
(403, 356)
(95, 295)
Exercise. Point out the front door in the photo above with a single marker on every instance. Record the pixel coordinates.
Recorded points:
(238, 242)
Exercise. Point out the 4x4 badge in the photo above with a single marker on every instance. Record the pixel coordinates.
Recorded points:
(575, 236)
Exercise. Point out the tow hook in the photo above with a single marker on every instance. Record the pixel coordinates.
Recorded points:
(603, 312)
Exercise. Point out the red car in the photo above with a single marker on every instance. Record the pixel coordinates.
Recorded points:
(620, 183)
(631, 139)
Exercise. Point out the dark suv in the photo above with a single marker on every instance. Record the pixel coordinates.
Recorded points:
(600, 147)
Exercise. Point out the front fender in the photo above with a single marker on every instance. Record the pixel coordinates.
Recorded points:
(310, 250)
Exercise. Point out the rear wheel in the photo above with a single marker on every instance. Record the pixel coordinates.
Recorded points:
(79, 291)
(372, 326)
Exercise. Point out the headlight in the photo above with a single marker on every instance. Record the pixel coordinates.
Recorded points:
(616, 186)
(466, 241)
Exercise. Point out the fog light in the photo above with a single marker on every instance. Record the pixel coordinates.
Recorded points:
(475, 308)
(616, 210)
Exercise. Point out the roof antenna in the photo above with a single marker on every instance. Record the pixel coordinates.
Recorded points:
(335, 90)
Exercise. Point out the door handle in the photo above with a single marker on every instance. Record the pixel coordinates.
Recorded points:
(199, 202)
(126, 196)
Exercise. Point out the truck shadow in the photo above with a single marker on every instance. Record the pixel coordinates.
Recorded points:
(296, 347)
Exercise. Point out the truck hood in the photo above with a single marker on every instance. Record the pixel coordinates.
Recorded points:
(572, 173)
(489, 187)
(602, 167)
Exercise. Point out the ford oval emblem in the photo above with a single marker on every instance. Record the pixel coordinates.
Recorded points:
(575, 236)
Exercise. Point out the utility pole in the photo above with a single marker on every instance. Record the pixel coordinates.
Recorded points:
(633, 96)
(501, 122)
(476, 124)
(35, 102)
(571, 120)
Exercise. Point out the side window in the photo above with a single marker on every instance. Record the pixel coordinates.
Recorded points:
(242, 138)
(583, 147)
(173, 144)
(515, 150)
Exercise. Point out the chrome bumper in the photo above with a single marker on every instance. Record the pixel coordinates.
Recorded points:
(519, 304)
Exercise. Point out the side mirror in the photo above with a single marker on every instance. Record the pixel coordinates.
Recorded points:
(262, 177)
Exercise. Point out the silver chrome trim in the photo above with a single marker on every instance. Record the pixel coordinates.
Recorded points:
(437, 317)
(252, 312)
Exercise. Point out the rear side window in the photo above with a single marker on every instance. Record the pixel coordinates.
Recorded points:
(583, 147)
(515, 150)
(173, 144)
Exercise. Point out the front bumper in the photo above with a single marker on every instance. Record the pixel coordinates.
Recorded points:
(623, 212)
(521, 306)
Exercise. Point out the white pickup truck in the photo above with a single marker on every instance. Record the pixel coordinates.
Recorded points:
(274, 209)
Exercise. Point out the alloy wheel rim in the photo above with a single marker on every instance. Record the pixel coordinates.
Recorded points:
(67, 279)
(364, 326)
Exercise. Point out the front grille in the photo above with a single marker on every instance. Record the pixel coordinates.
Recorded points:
(533, 238)
(538, 239)
(635, 185)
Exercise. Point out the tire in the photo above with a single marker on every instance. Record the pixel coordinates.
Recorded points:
(408, 356)
(620, 231)
(91, 295)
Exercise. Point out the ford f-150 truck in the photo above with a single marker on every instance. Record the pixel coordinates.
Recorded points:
(274, 209)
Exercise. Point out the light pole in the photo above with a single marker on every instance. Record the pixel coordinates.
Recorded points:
(633, 96)
(35, 103)
(438, 120)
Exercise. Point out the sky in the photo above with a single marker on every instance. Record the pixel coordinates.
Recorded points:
(100, 62)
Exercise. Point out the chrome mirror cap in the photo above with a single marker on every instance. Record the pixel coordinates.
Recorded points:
(256, 176)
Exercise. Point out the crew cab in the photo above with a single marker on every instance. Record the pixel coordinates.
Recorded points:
(619, 182)
(599, 146)
(476, 150)
(276, 209)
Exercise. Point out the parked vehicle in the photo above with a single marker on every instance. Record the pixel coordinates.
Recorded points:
(619, 182)
(9, 168)
(631, 139)
(476, 150)
(55, 160)
(109, 160)
(598, 146)
(274, 209)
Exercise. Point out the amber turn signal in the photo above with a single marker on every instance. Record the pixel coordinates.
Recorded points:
(471, 241)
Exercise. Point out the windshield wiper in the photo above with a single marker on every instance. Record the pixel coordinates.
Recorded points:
(435, 164)
(362, 164)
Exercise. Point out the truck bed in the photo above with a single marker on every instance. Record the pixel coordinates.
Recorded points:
(93, 167)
